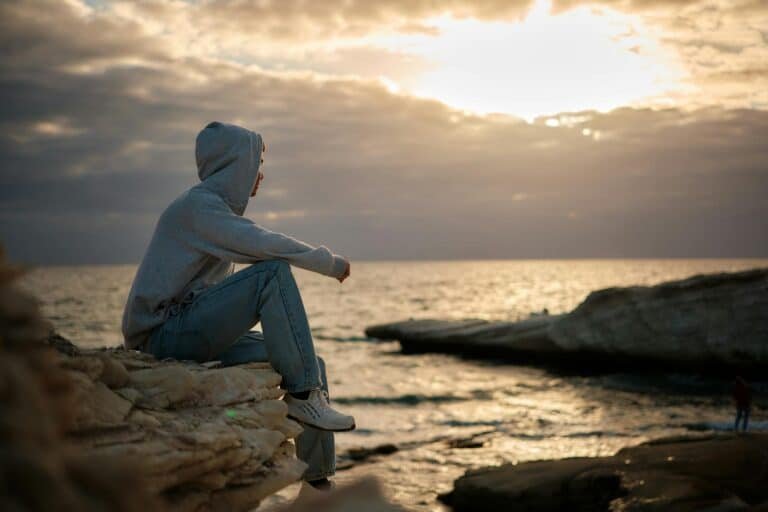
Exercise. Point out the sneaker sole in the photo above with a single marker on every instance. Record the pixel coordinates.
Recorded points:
(294, 418)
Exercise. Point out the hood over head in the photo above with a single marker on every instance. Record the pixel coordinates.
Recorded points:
(228, 159)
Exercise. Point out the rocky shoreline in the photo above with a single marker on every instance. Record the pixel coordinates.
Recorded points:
(116, 429)
(204, 437)
(714, 472)
(182, 436)
(714, 324)
(87, 429)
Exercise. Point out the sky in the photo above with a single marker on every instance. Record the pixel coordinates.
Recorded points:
(396, 129)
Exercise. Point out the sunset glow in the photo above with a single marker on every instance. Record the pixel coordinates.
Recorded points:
(606, 59)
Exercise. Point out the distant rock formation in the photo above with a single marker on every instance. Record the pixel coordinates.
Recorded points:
(700, 322)
(724, 472)
(470, 337)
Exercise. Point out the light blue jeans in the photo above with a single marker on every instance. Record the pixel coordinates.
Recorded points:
(214, 325)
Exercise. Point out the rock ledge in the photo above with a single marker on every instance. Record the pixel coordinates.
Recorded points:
(707, 323)
(720, 472)
(206, 438)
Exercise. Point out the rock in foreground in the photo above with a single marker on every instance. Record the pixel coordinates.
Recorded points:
(206, 438)
(113, 429)
(725, 472)
(95, 430)
(703, 322)
(198, 438)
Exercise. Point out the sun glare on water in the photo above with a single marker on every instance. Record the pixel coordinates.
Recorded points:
(580, 59)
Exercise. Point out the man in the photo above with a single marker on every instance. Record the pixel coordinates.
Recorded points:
(742, 397)
(186, 302)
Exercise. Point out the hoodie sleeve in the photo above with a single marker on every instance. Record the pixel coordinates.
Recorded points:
(218, 231)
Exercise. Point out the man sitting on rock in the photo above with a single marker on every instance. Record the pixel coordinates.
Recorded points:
(187, 303)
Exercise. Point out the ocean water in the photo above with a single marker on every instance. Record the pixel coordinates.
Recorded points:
(447, 415)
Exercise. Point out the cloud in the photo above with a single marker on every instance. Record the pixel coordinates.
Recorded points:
(276, 22)
(91, 155)
(718, 46)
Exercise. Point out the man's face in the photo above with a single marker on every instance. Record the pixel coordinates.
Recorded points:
(261, 175)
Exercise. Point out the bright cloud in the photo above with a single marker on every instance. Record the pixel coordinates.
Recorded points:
(543, 64)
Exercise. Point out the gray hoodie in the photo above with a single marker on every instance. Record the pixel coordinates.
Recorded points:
(202, 233)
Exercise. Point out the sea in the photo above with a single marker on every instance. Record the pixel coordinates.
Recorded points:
(434, 416)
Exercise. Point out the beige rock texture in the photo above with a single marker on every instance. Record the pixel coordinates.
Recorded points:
(705, 318)
(207, 438)
(114, 429)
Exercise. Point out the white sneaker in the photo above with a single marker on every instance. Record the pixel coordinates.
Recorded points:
(316, 412)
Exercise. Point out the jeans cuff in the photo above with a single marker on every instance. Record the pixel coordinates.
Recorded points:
(318, 476)
(302, 388)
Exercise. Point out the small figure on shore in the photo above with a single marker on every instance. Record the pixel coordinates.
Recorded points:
(186, 301)
(742, 396)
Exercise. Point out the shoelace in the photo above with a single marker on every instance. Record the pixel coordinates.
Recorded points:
(325, 401)
(308, 407)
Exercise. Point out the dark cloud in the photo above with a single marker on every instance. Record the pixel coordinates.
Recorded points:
(37, 33)
(92, 155)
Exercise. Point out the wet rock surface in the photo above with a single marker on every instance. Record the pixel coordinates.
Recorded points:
(708, 323)
(683, 473)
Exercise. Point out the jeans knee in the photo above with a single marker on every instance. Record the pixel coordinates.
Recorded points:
(280, 265)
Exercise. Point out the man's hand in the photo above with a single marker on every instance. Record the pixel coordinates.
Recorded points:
(346, 274)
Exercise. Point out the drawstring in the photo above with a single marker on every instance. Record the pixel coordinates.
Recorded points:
(173, 307)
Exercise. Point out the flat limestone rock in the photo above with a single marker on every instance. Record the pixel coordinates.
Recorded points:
(205, 437)
(98, 406)
(469, 337)
(703, 322)
(709, 472)
(716, 317)
(178, 386)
